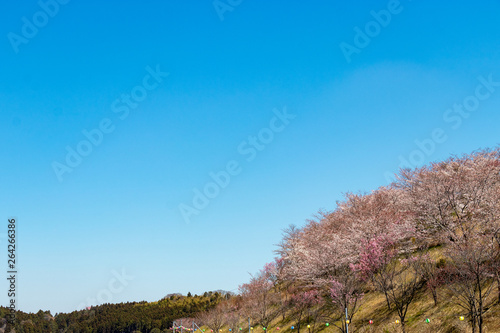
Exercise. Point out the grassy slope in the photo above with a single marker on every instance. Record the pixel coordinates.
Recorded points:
(444, 318)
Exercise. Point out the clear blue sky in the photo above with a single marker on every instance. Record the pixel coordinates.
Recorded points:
(119, 207)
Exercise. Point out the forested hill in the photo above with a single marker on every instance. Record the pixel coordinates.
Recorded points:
(154, 317)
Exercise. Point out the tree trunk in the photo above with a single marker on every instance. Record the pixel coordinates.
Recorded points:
(480, 318)
(434, 296)
(387, 300)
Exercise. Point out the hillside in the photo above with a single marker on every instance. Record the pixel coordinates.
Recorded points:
(144, 317)
(372, 315)
(419, 255)
(114, 318)
(443, 317)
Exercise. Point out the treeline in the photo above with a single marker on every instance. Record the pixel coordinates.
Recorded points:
(155, 317)
(380, 243)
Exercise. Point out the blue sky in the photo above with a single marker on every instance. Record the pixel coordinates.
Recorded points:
(351, 123)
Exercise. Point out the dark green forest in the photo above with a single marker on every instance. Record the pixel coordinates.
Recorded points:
(144, 317)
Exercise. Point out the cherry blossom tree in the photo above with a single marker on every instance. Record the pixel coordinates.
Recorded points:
(319, 250)
(375, 255)
(214, 318)
(306, 304)
(380, 213)
(261, 302)
(406, 277)
(378, 237)
(233, 310)
(470, 274)
(434, 275)
(455, 198)
(345, 294)
(457, 202)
